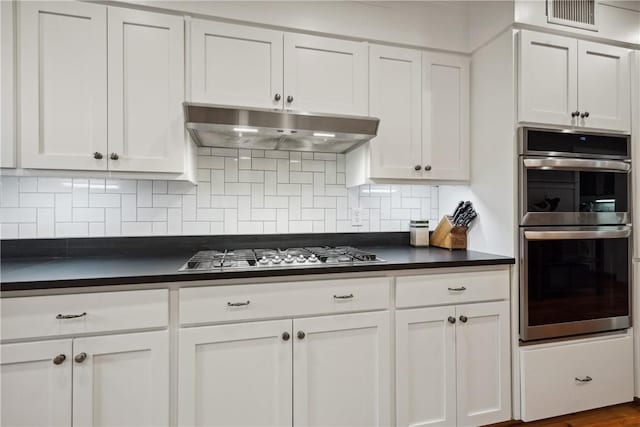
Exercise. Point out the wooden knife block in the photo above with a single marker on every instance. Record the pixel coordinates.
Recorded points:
(448, 236)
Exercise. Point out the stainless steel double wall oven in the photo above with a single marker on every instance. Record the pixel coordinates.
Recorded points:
(575, 233)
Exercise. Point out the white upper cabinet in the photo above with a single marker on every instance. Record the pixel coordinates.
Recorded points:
(63, 85)
(121, 380)
(36, 383)
(422, 101)
(445, 116)
(239, 374)
(342, 370)
(7, 86)
(146, 90)
(568, 82)
(325, 75)
(548, 79)
(395, 98)
(603, 86)
(236, 65)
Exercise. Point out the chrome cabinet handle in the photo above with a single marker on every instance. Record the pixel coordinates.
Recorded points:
(289, 99)
(584, 380)
(114, 156)
(81, 357)
(59, 359)
(70, 316)
(301, 335)
(238, 304)
(427, 167)
(97, 155)
(417, 167)
(464, 319)
(584, 115)
(575, 113)
(277, 97)
(286, 336)
(343, 297)
(451, 319)
(460, 289)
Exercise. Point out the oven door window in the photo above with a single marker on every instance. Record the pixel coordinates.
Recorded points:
(576, 280)
(576, 191)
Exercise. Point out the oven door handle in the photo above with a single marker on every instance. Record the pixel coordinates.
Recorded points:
(619, 233)
(577, 164)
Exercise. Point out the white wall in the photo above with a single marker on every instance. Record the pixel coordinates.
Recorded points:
(424, 24)
(493, 151)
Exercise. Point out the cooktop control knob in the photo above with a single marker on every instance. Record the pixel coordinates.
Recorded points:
(301, 258)
(264, 260)
(276, 260)
(288, 259)
(313, 258)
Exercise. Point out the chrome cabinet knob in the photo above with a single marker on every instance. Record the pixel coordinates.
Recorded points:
(584, 115)
(464, 319)
(289, 99)
(59, 359)
(114, 156)
(575, 113)
(81, 357)
(417, 167)
(286, 336)
(301, 335)
(427, 167)
(97, 155)
(451, 319)
(278, 97)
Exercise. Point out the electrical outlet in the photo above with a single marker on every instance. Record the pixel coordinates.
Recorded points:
(356, 217)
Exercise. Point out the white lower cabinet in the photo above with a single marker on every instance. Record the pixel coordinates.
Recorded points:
(453, 365)
(341, 370)
(236, 375)
(109, 380)
(331, 370)
(562, 378)
(36, 383)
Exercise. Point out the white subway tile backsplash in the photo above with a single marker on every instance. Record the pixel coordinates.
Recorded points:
(238, 191)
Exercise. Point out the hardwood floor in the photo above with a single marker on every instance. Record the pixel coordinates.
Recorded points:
(626, 414)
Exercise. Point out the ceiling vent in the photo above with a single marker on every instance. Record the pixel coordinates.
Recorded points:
(573, 13)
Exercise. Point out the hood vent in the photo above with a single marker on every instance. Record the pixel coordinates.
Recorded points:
(253, 128)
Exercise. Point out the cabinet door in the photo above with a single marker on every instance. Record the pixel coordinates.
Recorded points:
(483, 363)
(604, 86)
(395, 98)
(35, 391)
(7, 87)
(63, 85)
(425, 367)
(341, 370)
(236, 65)
(445, 116)
(548, 79)
(325, 75)
(146, 91)
(123, 380)
(235, 375)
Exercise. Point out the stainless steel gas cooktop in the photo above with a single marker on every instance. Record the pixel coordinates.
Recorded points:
(249, 259)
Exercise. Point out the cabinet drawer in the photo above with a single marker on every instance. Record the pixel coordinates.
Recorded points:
(453, 288)
(261, 301)
(30, 317)
(549, 384)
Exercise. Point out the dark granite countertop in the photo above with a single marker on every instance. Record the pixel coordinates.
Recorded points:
(47, 273)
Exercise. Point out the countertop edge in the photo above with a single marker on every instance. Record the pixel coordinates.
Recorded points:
(246, 274)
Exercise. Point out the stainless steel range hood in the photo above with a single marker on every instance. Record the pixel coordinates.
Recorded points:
(234, 127)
